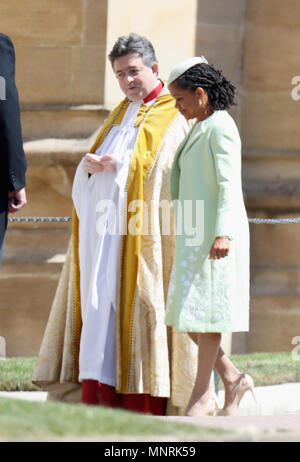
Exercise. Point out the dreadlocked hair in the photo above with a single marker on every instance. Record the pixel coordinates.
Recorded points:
(220, 91)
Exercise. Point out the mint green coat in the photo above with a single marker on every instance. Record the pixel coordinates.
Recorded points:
(209, 295)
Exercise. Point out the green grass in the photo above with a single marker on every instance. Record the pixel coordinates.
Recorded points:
(55, 421)
(266, 369)
(16, 374)
(269, 368)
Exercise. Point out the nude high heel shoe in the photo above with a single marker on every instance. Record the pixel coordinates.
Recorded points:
(246, 383)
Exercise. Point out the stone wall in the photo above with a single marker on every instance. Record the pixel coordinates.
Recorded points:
(271, 137)
(220, 37)
(66, 88)
(60, 62)
(169, 24)
(60, 55)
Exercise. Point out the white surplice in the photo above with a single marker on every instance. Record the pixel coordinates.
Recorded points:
(99, 200)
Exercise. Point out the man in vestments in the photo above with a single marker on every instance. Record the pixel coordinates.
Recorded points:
(12, 157)
(106, 336)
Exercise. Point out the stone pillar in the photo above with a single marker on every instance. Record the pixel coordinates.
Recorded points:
(271, 139)
(169, 25)
(220, 38)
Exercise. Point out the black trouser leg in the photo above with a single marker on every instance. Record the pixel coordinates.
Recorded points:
(3, 219)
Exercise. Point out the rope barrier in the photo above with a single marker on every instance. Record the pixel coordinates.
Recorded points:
(40, 219)
(274, 221)
(270, 221)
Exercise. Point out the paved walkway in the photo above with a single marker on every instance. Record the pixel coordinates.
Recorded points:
(272, 400)
(277, 410)
(39, 396)
(267, 428)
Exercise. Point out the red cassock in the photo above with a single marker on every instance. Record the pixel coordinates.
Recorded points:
(94, 392)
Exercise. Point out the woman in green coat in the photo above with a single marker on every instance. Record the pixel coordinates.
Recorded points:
(209, 288)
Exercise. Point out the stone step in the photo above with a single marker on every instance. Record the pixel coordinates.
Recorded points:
(275, 281)
(274, 196)
(274, 245)
(51, 168)
(45, 243)
(274, 322)
(61, 121)
(27, 292)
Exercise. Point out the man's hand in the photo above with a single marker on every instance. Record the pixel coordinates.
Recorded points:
(95, 164)
(220, 248)
(108, 163)
(16, 200)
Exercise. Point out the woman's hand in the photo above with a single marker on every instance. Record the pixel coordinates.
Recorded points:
(220, 248)
(95, 164)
